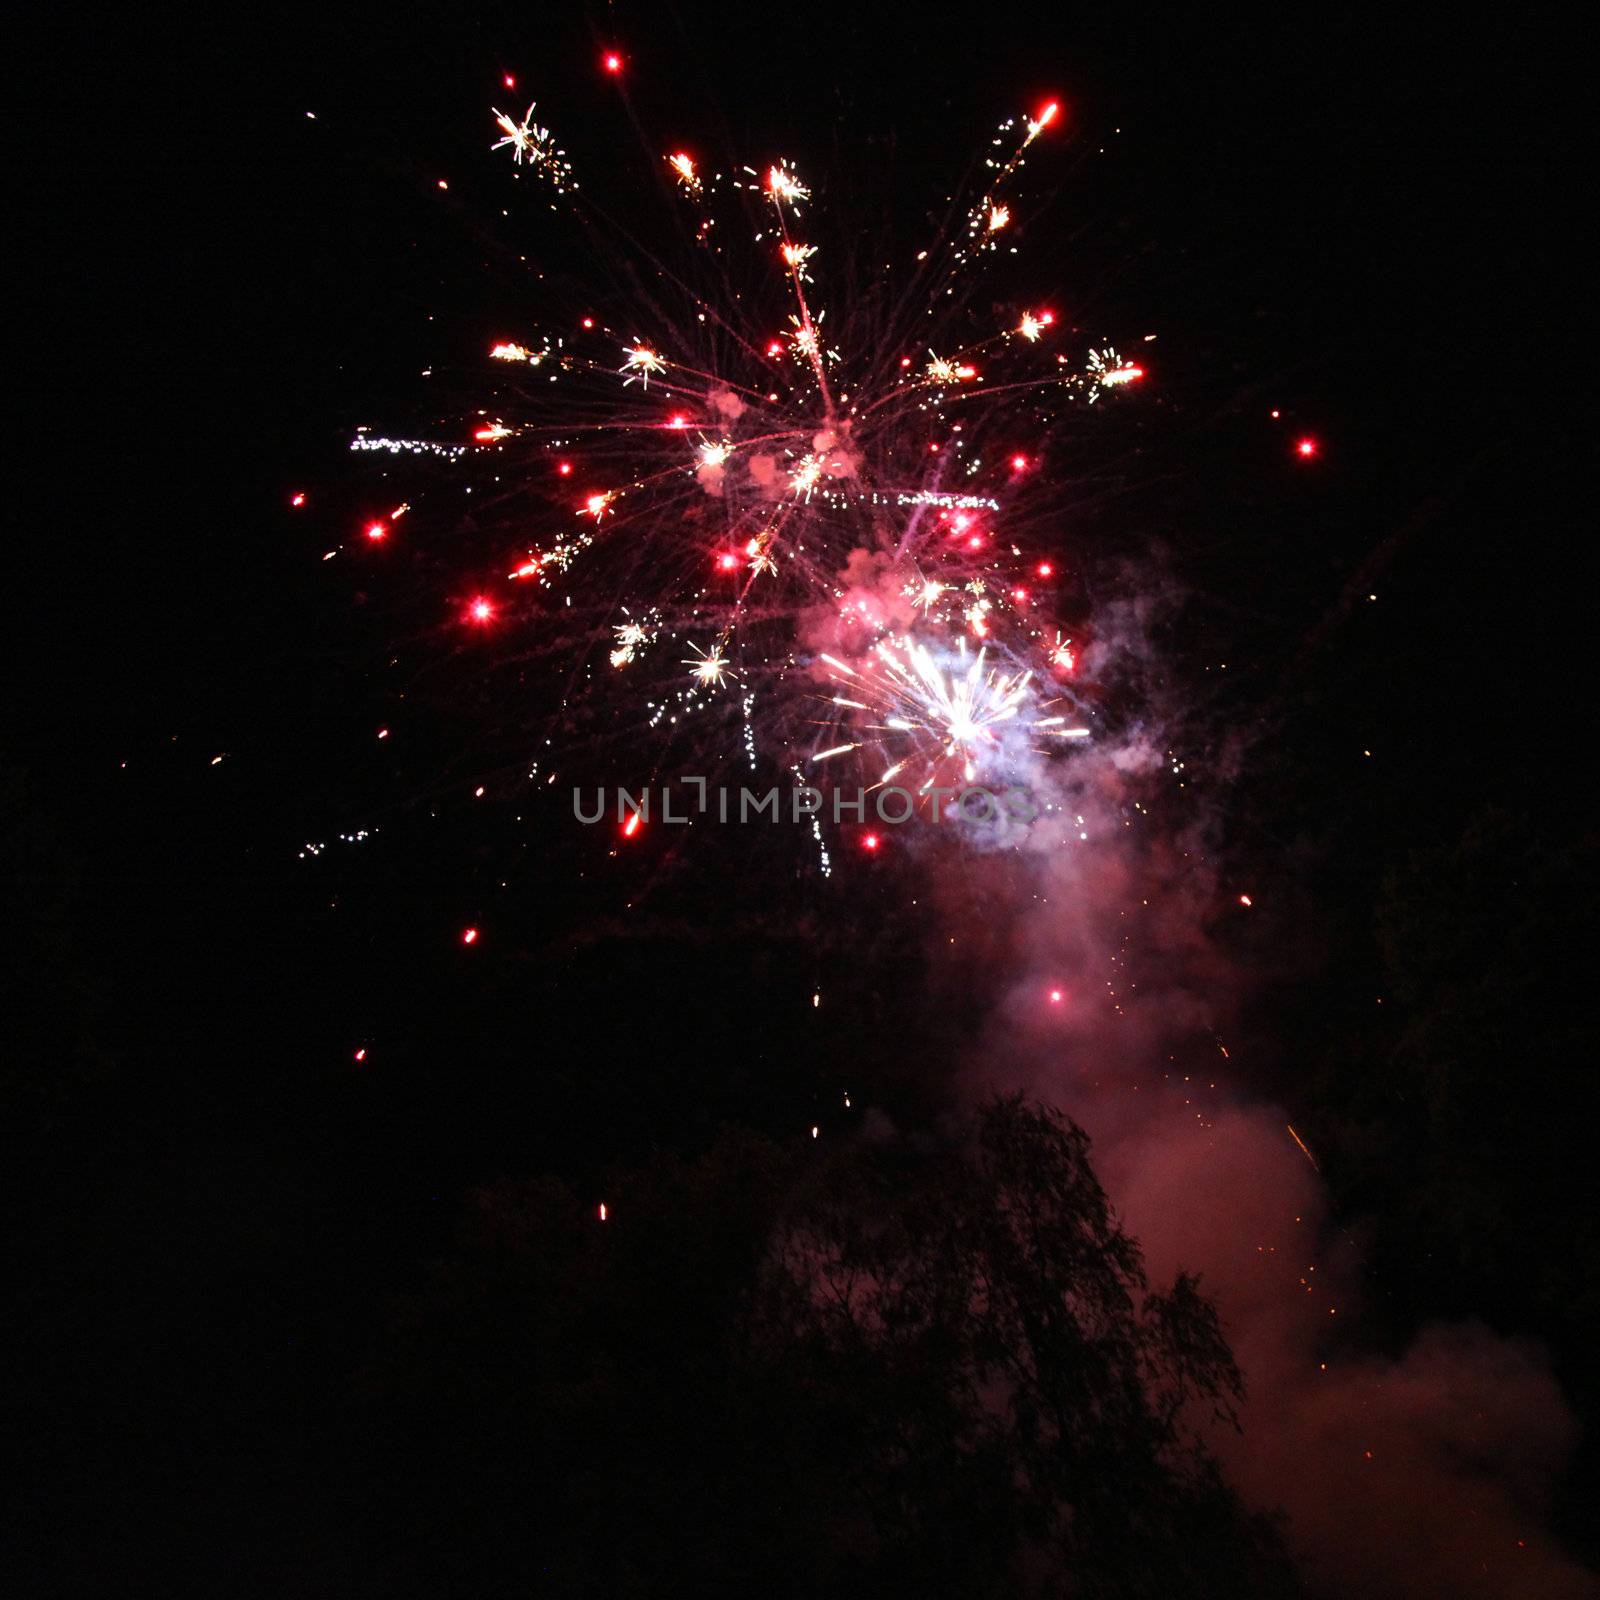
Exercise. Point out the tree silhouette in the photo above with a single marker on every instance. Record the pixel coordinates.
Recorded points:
(978, 1359)
(893, 1371)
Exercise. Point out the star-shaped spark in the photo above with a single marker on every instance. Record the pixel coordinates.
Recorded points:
(783, 185)
(796, 256)
(942, 370)
(630, 637)
(707, 667)
(639, 361)
(531, 143)
(687, 175)
(805, 476)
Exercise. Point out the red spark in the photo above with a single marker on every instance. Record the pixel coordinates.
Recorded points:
(376, 530)
(511, 82)
(1019, 595)
(1048, 115)
(677, 422)
(870, 842)
(631, 826)
(975, 541)
(1245, 900)
(905, 361)
(1305, 448)
(361, 1055)
(1019, 463)
(480, 610)
(564, 468)
(602, 1211)
(1056, 997)
(588, 322)
(612, 62)
(727, 562)
(297, 500)
(775, 348)
(1046, 570)
(469, 936)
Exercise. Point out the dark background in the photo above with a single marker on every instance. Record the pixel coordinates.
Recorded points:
(1365, 224)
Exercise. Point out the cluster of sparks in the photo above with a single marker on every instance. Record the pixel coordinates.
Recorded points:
(949, 714)
(825, 518)
(530, 143)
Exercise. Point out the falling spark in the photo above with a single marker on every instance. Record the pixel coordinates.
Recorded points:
(1304, 1148)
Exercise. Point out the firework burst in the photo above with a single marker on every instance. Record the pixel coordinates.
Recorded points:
(835, 523)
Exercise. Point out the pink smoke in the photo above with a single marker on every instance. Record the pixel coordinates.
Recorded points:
(1425, 1473)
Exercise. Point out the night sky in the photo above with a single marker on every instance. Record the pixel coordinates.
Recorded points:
(217, 1209)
